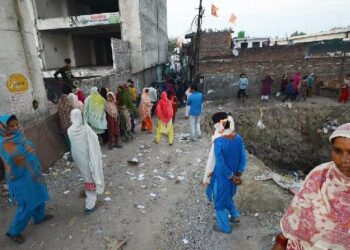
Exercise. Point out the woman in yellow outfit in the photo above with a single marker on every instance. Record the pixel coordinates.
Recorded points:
(164, 113)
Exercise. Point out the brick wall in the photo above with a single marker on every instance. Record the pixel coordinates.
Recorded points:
(221, 75)
(215, 45)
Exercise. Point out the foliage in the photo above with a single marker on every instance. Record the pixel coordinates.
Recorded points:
(296, 33)
(172, 44)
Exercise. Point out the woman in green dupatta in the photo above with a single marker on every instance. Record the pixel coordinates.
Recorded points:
(94, 112)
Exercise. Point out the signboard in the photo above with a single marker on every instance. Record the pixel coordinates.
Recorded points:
(92, 20)
(17, 83)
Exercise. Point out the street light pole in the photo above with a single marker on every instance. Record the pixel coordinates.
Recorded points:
(198, 42)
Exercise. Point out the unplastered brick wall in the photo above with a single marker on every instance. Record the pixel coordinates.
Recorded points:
(215, 45)
(221, 77)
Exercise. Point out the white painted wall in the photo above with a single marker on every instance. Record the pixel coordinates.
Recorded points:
(18, 55)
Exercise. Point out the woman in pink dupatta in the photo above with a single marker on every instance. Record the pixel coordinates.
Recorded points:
(319, 215)
(145, 111)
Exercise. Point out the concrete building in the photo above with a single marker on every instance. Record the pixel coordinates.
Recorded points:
(251, 42)
(85, 29)
(21, 81)
(103, 38)
(339, 33)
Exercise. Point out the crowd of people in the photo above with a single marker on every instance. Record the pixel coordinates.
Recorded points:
(104, 117)
(292, 88)
(317, 218)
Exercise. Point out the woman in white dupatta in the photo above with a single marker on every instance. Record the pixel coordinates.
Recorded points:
(86, 152)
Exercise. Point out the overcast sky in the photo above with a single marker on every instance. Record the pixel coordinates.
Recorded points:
(261, 17)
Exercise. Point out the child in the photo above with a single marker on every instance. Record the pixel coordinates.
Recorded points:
(243, 83)
(303, 88)
(344, 91)
(86, 152)
(290, 91)
(112, 122)
(145, 109)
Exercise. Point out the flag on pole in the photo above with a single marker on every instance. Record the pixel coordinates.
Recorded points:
(214, 10)
(232, 19)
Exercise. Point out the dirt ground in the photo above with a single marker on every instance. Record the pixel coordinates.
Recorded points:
(147, 206)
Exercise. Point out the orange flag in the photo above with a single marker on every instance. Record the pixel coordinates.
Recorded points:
(214, 10)
(233, 19)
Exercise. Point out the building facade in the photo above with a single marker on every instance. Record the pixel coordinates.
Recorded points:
(101, 37)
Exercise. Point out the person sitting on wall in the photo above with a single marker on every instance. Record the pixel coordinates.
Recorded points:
(67, 77)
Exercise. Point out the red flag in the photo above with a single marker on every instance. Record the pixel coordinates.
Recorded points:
(214, 10)
(232, 19)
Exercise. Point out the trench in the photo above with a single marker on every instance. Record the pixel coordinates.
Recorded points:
(294, 138)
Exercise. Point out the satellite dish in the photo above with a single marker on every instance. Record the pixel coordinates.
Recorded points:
(235, 52)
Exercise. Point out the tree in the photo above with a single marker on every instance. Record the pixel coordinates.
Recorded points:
(172, 44)
(296, 33)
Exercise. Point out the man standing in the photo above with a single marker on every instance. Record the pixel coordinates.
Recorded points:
(153, 95)
(195, 103)
(67, 77)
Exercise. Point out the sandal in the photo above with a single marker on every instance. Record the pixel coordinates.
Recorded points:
(19, 239)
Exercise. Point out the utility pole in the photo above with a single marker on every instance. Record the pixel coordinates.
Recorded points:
(197, 44)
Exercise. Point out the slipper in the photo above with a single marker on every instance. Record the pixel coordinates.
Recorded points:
(19, 239)
(90, 211)
(235, 219)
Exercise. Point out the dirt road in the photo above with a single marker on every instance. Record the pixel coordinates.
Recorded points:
(145, 204)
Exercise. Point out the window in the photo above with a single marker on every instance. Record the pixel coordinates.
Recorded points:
(244, 45)
(256, 44)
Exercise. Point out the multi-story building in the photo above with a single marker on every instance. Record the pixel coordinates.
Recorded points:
(83, 30)
(102, 37)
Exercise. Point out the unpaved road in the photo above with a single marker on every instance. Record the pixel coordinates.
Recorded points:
(147, 207)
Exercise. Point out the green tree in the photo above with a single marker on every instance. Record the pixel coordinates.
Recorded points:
(172, 44)
(296, 33)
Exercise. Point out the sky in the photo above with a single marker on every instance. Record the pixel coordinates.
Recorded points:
(261, 18)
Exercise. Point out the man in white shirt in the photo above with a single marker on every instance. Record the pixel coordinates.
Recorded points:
(153, 95)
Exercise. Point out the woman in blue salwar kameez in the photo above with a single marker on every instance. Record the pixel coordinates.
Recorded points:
(230, 164)
(24, 177)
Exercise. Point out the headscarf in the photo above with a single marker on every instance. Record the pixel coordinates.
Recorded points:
(133, 93)
(103, 92)
(111, 107)
(220, 119)
(164, 110)
(319, 215)
(75, 101)
(22, 166)
(341, 131)
(86, 151)
(145, 105)
(124, 98)
(81, 96)
(17, 152)
(94, 111)
(64, 107)
(296, 81)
